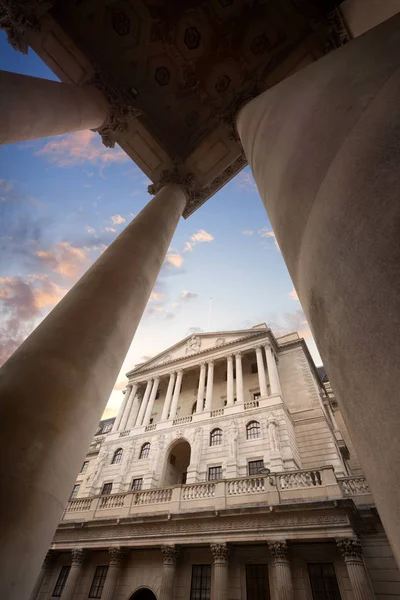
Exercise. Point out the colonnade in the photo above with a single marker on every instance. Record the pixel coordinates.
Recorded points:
(350, 549)
(136, 411)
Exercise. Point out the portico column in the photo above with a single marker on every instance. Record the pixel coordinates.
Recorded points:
(170, 556)
(134, 409)
(78, 556)
(200, 391)
(220, 575)
(273, 375)
(323, 148)
(144, 403)
(229, 381)
(125, 418)
(210, 384)
(239, 378)
(350, 549)
(121, 411)
(35, 108)
(150, 404)
(116, 555)
(49, 558)
(175, 398)
(261, 372)
(283, 576)
(63, 375)
(168, 397)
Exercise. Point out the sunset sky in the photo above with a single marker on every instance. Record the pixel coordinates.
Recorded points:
(64, 199)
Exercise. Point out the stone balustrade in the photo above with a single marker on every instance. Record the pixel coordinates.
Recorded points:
(112, 501)
(124, 433)
(299, 479)
(247, 485)
(198, 490)
(153, 496)
(150, 427)
(252, 404)
(218, 412)
(354, 486)
(182, 420)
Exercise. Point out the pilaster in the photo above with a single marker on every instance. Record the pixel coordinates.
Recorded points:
(350, 549)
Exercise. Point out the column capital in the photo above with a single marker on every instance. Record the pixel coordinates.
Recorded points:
(19, 18)
(116, 555)
(156, 378)
(220, 552)
(186, 181)
(258, 348)
(203, 363)
(350, 548)
(78, 556)
(211, 361)
(179, 372)
(229, 357)
(49, 558)
(169, 554)
(279, 550)
(239, 354)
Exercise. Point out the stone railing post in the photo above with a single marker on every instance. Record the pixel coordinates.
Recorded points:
(47, 563)
(116, 555)
(220, 579)
(350, 549)
(283, 576)
(78, 556)
(170, 557)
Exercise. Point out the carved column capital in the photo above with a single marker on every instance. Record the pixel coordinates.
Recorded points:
(229, 357)
(49, 559)
(279, 550)
(220, 553)
(210, 362)
(78, 556)
(185, 181)
(169, 555)
(116, 554)
(350, 548)
(18, 17)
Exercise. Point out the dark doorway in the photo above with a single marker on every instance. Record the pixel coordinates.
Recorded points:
(143, 594)
(177, 462)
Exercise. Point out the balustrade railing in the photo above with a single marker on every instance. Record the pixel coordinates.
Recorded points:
(124, 433)
(251, 404)
(354, 486)
(218, 412)
(153, 496)
(79, 505)
(248, 485)
(112, 501)
(150, 427)
(198, 491)
(299, 479)
(182, 420)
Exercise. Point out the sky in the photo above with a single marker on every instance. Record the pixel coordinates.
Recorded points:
(64, 199)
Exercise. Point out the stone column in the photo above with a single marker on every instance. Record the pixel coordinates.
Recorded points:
(210, 384)
(200, 391)
(62, 375)
(239, 378)
(116, 555)
(47, 563)
(152, 398)
(350, 549)
(229, 381)
(125, 418)
(121, 411)
(170, 556)
(143, 405)
(175, 397)
(33, 108)
(323, 147)
(273, 375)
(283, 576)
(135, 408)
(261, 372)
(78, 556)
(220, 575)
(168, 397)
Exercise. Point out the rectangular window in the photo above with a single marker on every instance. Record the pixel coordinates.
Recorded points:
(323, 581)
(257, 585)
(75, 491)
(201, 582)
(61, 581)
(84, 467)
(214, 473)
(254, 368)
(254, 466)
(98, 582)
(137, 484)
(256, 396)
(107, 487)
(107, 427)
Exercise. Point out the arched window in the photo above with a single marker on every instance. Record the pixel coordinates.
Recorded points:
(117, 456)
(253, 430)
(216, 437)
(145, 450)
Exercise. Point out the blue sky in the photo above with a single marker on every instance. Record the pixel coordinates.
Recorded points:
(64, 199)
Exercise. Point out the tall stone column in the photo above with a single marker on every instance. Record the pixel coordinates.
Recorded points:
(200, 391)
(261, 372)
(350, 549)
(122, 408)
(170, 557)
(53, 108)
(125, 418)
(239, 378)
(47, 563)
(143, 405)
(168, 397)
(78, 556)
(220, 578)
(210, 385)
(283, 576)
(54, 388)
(116, 555)
(152, 398)
(323, 148)
(133, 414)
(229, 381)
(272, 368)
(175, 397)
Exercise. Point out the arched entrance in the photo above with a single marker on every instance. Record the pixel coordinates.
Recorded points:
(177, 463)
(143, 594)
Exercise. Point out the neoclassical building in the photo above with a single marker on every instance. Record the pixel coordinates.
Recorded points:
(228, 474)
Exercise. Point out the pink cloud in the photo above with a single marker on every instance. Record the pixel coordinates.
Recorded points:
(64, 259)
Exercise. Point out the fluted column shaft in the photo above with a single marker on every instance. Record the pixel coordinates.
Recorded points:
(170, 556)
(261, 372)
(239, 378)
(175, 397)
(168, 397)
(42, 574)
(121, 411)
(283, 576)
(229, 381)
(78, 556)
(134, 411)
(143, 405)
(128, 408)
(352, 554)
(152, 398)
(275, 385)
(210, 384)
(220, 578)
(200, 391)
(114, 569)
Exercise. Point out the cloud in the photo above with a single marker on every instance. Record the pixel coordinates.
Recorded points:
(268, 233)
(247, 232)
(293, 295)
(156, 296)
(110, 229)
(117, 220)
(90, 230)
(65, 259)
(80, 148)
(194, 330)
(175, 305)
(173, 260)
(120, 385)
(246, 181)
(200, 237)
(290, 322)
(155, 309)
(186, 295)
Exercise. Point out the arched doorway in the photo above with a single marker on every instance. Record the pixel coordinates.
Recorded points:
(143, 594)
(177, 463)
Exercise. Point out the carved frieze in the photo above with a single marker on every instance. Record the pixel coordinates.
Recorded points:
(17, 17)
